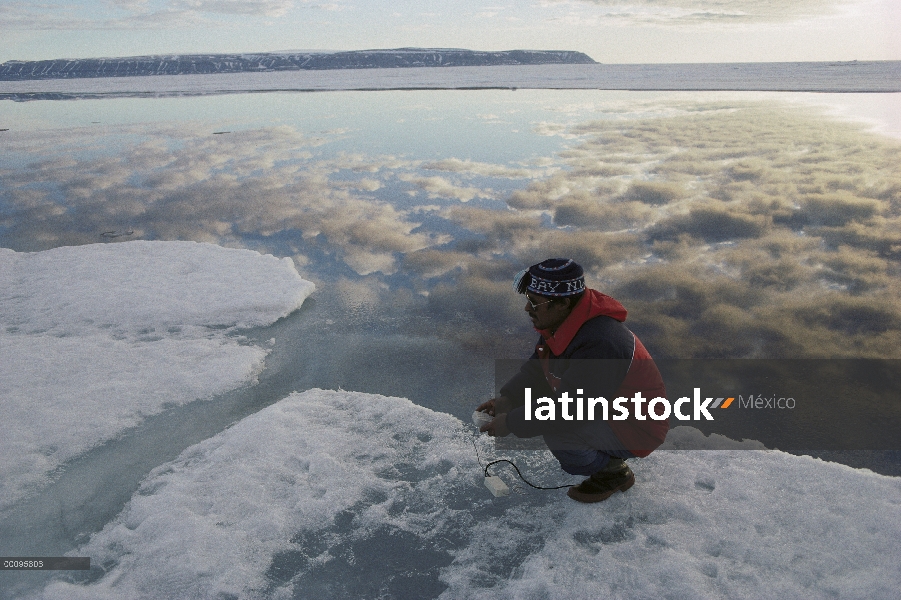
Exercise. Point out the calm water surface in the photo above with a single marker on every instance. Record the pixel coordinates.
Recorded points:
(411, 211)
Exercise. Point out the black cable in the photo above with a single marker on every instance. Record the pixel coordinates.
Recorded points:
(474, 447)
(537, 487)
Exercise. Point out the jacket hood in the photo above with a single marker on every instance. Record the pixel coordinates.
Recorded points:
(592, 304)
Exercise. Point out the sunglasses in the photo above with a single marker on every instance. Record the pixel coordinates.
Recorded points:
(534, 306)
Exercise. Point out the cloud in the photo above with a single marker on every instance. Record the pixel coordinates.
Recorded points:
(729, 229)
(441, 187)
(594, 249)
(554, 129)
(186, 184)
(132, 5)
(716, 12)
(711, 223)
(837, 209)
(880, 235)
(525, 237)
(365, 184)
(474, 299)
(269, 8)
(469, 167)
(431, 263)
(27, 16)
(369, 233)
(497, 226)
(719, 226)
(859, 271)
(137, 14)
(604, 216)
(655, 192)
(544, 194)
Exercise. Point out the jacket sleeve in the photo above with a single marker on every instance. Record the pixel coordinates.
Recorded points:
(597, 365)
(530, 375)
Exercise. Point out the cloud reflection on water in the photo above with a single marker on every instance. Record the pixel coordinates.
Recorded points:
(728, 228)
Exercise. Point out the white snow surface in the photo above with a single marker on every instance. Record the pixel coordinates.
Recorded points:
(94, 338)
(140, 285)
(865, 76)
(343, 494)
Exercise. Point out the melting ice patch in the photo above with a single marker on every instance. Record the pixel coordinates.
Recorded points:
(96, 337)
(340, 494)
(290, 496)
(703, 524)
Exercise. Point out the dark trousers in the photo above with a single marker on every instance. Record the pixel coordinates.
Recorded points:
(586, 450)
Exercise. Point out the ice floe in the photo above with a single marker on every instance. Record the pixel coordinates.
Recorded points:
(343, 494)
(97, 337)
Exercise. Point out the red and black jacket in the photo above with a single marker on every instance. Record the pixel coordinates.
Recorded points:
(595, 352)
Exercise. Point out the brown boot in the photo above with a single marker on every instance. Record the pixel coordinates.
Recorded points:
(615, 477)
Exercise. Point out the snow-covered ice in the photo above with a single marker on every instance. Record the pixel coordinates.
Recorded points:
(210, 522)
(142, 285)
(97, 337)
(865, 76)
(344, 494)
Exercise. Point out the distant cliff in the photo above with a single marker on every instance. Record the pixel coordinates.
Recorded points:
(197, 64)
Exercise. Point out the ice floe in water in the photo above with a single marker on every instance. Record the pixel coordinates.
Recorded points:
(97, 337)
(320, 477)
(333, 494)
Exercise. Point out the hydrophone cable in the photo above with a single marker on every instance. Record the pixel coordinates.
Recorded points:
(518, 472)
(537, 487)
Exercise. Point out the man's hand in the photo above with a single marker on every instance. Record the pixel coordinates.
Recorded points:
(487, 407)
(497, 427)
(495, 406)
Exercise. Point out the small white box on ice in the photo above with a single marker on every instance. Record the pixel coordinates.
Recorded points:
(497, 486)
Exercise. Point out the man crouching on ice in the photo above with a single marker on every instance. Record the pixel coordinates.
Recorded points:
(585, 350)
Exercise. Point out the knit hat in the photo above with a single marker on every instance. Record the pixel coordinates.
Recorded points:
(555, 277)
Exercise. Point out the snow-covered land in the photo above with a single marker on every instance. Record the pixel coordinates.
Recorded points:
(869, 76)
(331, 494)
(95, 338)
(280, 61)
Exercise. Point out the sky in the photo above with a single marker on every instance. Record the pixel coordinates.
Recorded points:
(610, 31)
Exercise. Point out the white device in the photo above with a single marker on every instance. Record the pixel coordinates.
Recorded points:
(481, 418)
(497, 486)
